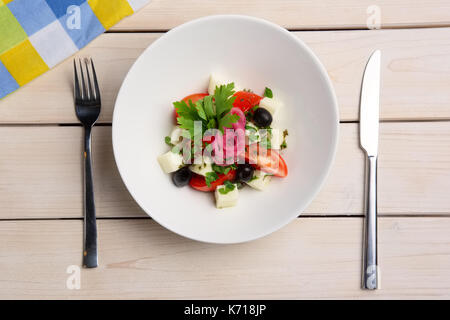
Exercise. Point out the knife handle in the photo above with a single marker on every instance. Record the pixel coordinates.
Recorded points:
(370, 256)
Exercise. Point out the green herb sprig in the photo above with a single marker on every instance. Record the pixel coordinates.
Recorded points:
(268, 93)
(223, 169)
(210, 177)
(228, 187)
(212, 111)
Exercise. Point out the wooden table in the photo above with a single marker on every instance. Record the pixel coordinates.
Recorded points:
(316, 256)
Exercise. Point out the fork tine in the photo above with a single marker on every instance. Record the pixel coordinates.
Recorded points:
(97, 89)
(76, 82)
(84, 93)
(88, 76)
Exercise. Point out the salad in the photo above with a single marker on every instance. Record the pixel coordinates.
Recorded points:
(223, 140)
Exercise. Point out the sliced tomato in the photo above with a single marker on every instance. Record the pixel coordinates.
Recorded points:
(194, 98)
(198, 182)
(246, 100)
(268, 161)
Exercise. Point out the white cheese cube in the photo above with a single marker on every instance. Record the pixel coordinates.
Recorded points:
(170, 161)
(252, 134)
(176, 135)
(201, 169)
(276, 139)
(213, 83)
(250, 126)
(272, 105)
(260, 180)
(226, 200)
(216, 81)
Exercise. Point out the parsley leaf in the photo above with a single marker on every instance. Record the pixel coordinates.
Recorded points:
(223, 169)
(229, 184)
(228, 187)
(212, 123)
(208, 106)
(185, 110)
(224, 99)
(201, 110)
(227, 120)
(268, 93)
(186, 123)
(210, 177)
(168, 141)
(189, 113)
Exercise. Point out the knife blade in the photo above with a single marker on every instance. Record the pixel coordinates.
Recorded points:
(370, 105)
(369, 131)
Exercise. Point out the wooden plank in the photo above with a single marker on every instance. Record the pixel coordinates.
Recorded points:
(415, 72)
(294, 14)
(49, 99)
(310, 258)
(40, 169)
(416, 77)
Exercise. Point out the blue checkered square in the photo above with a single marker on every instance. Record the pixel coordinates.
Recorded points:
(32, 15)
(90, 26)
(59, 7)
(7, 82)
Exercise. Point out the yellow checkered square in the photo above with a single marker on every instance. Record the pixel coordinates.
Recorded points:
(23, 62)
(109, 12)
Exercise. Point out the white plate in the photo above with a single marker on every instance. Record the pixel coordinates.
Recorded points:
(254, 53)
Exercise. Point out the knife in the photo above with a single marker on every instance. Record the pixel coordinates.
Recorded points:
(368, 132)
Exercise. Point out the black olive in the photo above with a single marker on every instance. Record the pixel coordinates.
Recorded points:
(262, 118)
(181, 177)
(244, 172)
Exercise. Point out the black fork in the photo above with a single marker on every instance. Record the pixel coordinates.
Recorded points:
(87, 108)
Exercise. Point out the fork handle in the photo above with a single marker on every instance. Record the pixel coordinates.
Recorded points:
(90, 259)
(370, 258)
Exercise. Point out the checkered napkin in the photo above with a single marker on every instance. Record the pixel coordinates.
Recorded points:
(35, 35)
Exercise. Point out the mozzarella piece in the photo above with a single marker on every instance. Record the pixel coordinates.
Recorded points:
(170, 162)
(260, 181)
(226, 200)
(250, 126)
(214, 82)
(175, 135)
(272, 105)
(276, 139)
(217, 81)
(252, 134)
(201, 169)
